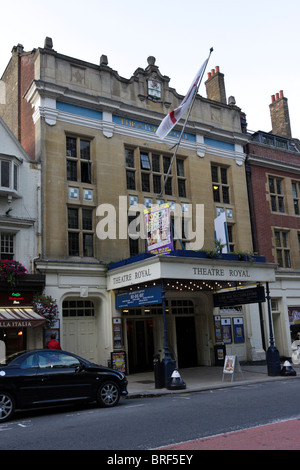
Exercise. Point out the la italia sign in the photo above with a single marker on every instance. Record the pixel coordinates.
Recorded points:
(166, 267)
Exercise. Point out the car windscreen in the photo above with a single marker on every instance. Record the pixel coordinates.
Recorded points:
(10, 358)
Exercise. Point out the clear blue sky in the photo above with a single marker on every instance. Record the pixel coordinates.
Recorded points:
(255, 43)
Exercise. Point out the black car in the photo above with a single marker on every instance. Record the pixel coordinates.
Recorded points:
(49, 377)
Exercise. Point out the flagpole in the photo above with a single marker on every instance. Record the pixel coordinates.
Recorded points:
(185, 122)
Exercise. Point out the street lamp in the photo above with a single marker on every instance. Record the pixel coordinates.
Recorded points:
(168, 364)
(273, 359)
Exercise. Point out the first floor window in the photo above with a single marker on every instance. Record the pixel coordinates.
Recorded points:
(80, 232)
(276, 194)
(6, 245)
(282, 249)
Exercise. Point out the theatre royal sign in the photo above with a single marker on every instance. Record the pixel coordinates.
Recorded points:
(168, 267)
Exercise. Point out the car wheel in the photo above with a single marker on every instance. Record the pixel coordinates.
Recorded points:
(108, 394)
(7, 406)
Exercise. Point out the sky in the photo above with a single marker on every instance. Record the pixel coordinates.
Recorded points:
(255, 43)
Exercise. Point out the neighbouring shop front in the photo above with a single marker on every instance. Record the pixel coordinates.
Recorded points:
(20, 326)
(209, 304)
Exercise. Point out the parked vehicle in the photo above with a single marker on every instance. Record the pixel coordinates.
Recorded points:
(50, 377)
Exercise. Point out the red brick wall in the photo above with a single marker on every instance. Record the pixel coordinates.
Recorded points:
(263, 217)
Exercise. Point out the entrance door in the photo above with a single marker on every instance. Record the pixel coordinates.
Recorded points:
(80, 337)
(140, 345)
(186, 342)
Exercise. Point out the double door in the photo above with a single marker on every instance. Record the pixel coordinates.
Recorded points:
(140, 344)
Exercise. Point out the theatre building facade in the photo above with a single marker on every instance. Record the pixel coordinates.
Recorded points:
(94, 133)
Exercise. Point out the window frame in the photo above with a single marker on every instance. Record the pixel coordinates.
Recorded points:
(220, 185)
(11, 174)
(7, 254)
(282, 248)
(277, 197)
(81, 239)
(78, 159)
(296, 196)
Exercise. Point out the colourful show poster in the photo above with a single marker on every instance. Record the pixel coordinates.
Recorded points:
(157, 223)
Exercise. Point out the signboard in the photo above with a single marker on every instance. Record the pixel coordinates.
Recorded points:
(157, 223)
(231, 363)
(136, 298)
(118, 361)
(239, 297)
(16, 298)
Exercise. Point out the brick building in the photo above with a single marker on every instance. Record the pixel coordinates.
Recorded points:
(273, 164)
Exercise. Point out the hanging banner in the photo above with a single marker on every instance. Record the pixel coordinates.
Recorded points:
(221, 234)
(158, 227)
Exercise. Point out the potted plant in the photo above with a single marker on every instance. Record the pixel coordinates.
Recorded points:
(11, 271)
(47, 307)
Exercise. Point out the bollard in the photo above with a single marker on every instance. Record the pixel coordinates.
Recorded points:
(287, 369)
(176, 382)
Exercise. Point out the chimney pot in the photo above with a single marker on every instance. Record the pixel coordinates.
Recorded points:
(273, 98)
(280, 116)
(215, 86)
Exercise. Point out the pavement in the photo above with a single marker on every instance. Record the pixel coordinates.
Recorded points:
(204, 378)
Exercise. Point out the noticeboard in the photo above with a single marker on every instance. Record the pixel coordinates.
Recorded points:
(118, 361)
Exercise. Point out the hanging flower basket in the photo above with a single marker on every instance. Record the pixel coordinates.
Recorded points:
(47, 307)
(11, 271)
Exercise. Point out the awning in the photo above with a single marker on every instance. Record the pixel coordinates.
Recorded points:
(20, 318)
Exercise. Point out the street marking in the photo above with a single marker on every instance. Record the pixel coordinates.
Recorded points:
(133, 406)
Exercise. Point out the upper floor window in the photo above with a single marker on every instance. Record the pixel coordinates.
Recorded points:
(8, 175)
(150, 169)
(282, 248)
(80, 232)
(220, 186)
(130, 169)
(6, 245)
(296, 197)
(276, 194)
(78, 159)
